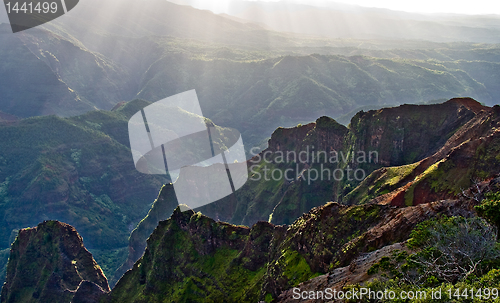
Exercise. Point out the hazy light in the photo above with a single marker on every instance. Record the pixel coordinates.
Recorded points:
(433, 6)
(476, 7)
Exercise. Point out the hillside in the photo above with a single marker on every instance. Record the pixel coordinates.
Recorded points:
(407, 171)
(48, 263)
(419, 137)
(247, 77)
(78, 170)
(47, 74)
(250, 90)
(191, 257)
(257, 97)
(341, 20)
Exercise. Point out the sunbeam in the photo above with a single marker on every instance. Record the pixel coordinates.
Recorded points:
(478, 7)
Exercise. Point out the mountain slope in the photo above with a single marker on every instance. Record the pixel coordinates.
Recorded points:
(469, 133)
(244, 75)
(77, 170)
(410, 135)
(247, 78)
(47, 74)
(256, 97)
(394, 136)
(467, 157)
(49, 263)
(192, 258)
(337, 20)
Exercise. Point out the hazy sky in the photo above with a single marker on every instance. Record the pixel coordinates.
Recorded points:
(434, 6)
(422, 6)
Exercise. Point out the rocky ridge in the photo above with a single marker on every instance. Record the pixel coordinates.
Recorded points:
(408, 139)
(191, 257)
(49, 263)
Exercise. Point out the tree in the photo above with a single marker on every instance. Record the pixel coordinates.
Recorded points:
(490, 208)
(454, 249)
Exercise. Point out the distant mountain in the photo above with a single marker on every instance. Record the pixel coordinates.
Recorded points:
(253, 91)
(60, 68)
(134, 19)
(247, 77)
(337, 20)
(257, 97)
(77, 170)
(94, 58)
(47, 74)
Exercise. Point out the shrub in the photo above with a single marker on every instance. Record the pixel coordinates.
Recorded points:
(490, 208)
(453, 249)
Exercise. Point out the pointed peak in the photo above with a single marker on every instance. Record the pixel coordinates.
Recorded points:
(468, 103)
(182, 213)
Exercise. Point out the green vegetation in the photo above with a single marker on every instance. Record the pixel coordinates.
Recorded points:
(295, 268)
(248, 85)
(60, 249)
(490, 208)
(181, 262)
(200, 271)
(78, 170)
(380, 182)
(453, 253)
(109, 259)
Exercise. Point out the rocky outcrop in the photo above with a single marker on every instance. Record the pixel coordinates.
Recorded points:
(335, 235)
(469, 155)
(49, 263)
(395, 227)
(377, 139)
(191, 256)
(355, 273)
(417, 136)
(409, 133)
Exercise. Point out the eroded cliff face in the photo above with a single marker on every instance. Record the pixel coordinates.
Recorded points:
(412, 155)
(161, 210)
(191, 257)
(357, 271)
(49, 263)
(409, 133)
(470, 155)
(380, 139)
